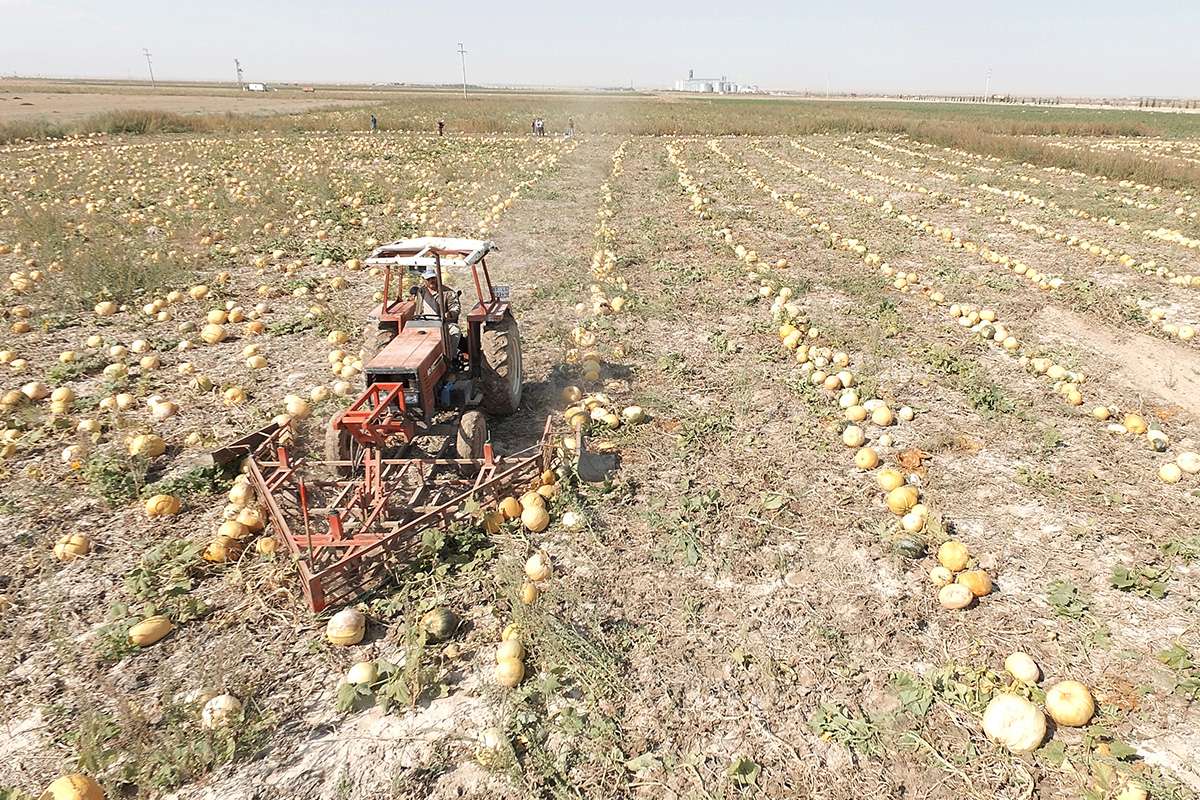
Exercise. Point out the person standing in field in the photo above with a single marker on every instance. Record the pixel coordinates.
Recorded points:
(570, 126)
(441, 126)
(372, 123)
(535, 126)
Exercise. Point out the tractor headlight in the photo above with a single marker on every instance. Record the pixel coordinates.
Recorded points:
(411, 399)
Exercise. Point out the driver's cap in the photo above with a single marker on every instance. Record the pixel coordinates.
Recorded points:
(429, 272)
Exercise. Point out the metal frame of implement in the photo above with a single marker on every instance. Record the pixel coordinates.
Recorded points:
(343, 534)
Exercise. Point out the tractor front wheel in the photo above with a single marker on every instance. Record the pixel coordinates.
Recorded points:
(472, 435)
(501, 375)
(341, 446)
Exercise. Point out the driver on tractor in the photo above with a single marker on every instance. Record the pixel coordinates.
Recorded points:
(444, 304)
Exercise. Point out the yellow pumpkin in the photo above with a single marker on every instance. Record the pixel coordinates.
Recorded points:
(866, 458)
(491, 521)
(535, 518)
(162, 505)
(1022, 667)
(510, 649)
(72, 546)
(978, 581)
(510, 507)
(511, 632)
(538, 567)
(955, 596)
(529, 592)
(532, 498)
(150, 630)
(266, 545)
(509, 672)
(73, 787)
(252, 518)
(901, 499)
(953, 555)
(889, 479)
(1070, 703)
(147, 444)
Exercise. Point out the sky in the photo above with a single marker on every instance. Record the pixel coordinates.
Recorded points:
(1031, 47)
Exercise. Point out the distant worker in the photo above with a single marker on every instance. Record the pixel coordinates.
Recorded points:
(535, 126)
(372, 123)
(443, 305)
(441, 126)
(570, 126)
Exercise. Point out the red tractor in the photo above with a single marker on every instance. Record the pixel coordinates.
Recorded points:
(425, 376)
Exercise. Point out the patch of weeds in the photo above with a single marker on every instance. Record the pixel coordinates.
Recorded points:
(323, 250)
(12, 793)
(205, 481)
(60, 320)
(1187, 673)
(685, 275)
(946, 361)
(890, 322)
(914, 694)
(1186, 549)
(64, 372)
(293, 324)
(417, 676)
(1070, 603)
(702, 431)
(987, 398)
(684, 530)
(855, 731)
(743, 773)
(1143, 581)
(1039, 480)
(115, 476)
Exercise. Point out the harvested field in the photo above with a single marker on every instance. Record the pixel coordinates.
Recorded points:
(735, 609)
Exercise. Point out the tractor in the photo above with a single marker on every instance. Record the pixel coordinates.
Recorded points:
(425, 377)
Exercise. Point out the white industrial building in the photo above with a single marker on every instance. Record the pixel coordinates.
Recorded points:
(706, 85)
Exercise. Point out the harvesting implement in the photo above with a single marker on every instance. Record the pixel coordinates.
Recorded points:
(410, 452)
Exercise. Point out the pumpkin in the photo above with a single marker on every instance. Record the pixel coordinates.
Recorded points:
(218, 710)
(634, 415)
(266, 545)
(978, 581)
(73, 787)
(939, 576)
(233, 529)
(572, 521)
(1070, 703)
(901, 499)
(856, 413)
(492, 747)
(510, 649)
(509, 672)
(853, 436)
(1131, 790)
(1170, 472)
(889, 479)
(162, 505)
(147, 444)
(510, 507)
(535, 518)
(913, 521)
(537, 567)
(1134, 424)
(439, 623)
(866, 458)
(150, 630)
(531, 499)
(529, 592)
(953, 555)
(882, 416)
(491, 521)
(72, 546)
(1189, 462)
(346, 627)
(222, 549)
(955, 596)
(1022, 667)
(909, 545)
(363, 672)
(511, 632)
(252, 519)
(571, 394)
(1014, 722)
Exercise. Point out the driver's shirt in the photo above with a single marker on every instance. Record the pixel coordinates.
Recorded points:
(427, 305)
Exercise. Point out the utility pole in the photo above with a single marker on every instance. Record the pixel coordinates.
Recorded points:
(146, 53)
(828, 80)
(463, 54)
(987, 87)
(238, 64)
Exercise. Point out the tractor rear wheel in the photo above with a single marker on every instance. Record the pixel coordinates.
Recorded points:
(501, 375)
(472, 435)
(341, 446)
(376, 336)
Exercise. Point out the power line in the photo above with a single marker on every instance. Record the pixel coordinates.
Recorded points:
(238, 64)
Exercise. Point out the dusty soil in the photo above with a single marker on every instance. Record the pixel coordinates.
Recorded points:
(734, 618)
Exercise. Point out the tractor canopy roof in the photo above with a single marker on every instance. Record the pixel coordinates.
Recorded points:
(426, 250)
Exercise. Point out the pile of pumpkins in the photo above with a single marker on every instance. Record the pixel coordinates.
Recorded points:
(958, 586)
(530, 508)
(242, 519)
(597, 408)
